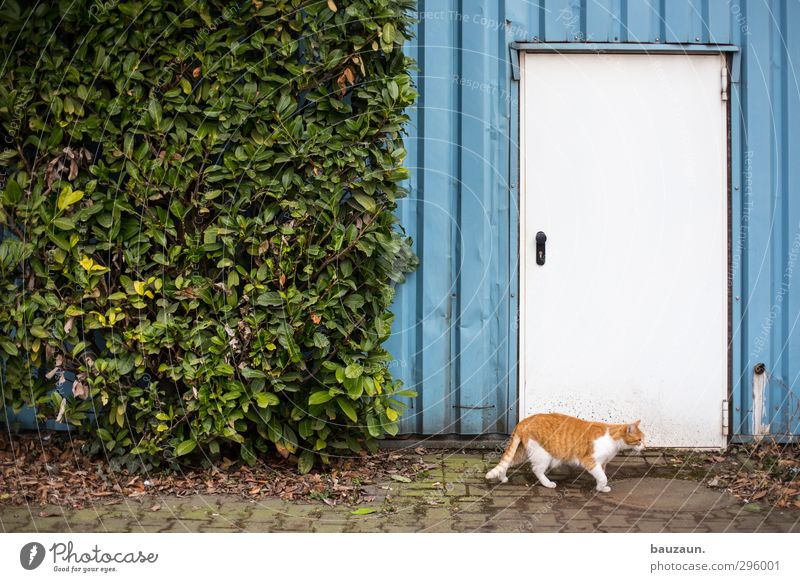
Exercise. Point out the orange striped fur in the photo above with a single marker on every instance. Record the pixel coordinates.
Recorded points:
(549, 440)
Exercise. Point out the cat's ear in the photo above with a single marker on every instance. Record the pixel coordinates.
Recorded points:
(633, 426)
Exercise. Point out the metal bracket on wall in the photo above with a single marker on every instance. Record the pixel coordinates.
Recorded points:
(736, 66)
(514, 62)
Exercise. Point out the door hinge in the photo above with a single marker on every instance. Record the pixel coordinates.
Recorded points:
(725, 426)
(724, 79)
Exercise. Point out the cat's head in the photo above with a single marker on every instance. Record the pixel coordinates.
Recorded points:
(633, 436)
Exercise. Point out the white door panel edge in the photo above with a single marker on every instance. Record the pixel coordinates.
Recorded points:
(623, 164)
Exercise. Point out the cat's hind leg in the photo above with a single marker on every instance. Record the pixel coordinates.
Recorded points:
(600, 476)
(540, 461)
(507, 460)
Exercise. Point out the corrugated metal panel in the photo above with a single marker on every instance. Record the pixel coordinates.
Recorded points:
(451, 335)
(767, 230)
(455, 337)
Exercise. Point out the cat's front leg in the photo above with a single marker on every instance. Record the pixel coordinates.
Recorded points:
(600, 476)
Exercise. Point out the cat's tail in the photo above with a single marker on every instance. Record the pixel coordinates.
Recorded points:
(499, 472)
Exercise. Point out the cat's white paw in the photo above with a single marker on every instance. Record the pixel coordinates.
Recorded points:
(605, 489)
(550, 485)
(496, 474)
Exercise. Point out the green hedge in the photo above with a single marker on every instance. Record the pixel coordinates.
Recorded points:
(198, 221)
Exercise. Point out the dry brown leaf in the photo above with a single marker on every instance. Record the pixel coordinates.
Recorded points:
(80, 390)
(332, 6)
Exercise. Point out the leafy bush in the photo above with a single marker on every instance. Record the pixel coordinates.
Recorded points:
(198, 227)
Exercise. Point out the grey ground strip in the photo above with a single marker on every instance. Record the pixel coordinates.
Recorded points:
(452, 497)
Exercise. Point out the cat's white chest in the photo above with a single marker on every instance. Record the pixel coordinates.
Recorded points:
(605, 448)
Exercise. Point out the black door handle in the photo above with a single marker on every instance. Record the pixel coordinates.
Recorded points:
(541, 238)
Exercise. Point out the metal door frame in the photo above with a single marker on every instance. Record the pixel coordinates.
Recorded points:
(734, 190)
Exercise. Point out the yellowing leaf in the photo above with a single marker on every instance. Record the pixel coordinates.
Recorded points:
(332, 6)
(90, 266)
(68, 197)
(391, 414)
(138, 286)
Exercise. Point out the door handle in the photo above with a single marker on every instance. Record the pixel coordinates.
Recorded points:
(541, 239)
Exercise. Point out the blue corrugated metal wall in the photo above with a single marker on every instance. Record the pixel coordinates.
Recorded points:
(455, 335)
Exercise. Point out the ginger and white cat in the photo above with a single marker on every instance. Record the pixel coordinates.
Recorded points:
(550, 440)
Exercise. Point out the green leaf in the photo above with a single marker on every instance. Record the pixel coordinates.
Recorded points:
(8, 346)
(12, 193)
(264, 399)
(104, 434)
(247, 454)
(154, 108)
(63, 223)
(363, 511)
(400, 478)
(353, 371)
(185, 448)
(354, 301)
(39, 331)
(305, 462)
(374, 427)
(366, 202)
(348, 408)
(251, 374)
(388, 33)
(319, 397)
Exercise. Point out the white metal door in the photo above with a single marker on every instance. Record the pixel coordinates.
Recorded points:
(624, 168)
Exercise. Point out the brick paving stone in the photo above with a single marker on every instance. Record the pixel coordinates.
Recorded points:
(455, 489)
(578, 526)
(15, 527)
(218, 529)
(148, 528)
(189, 525)
(328, 527)
(87, 516)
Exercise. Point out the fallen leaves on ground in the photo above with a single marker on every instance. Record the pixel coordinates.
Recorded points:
(51, 469)
(768, 472)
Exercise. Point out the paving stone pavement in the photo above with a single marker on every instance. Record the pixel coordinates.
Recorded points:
(451, 497)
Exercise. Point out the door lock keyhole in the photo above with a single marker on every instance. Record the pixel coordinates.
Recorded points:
(541, 239)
